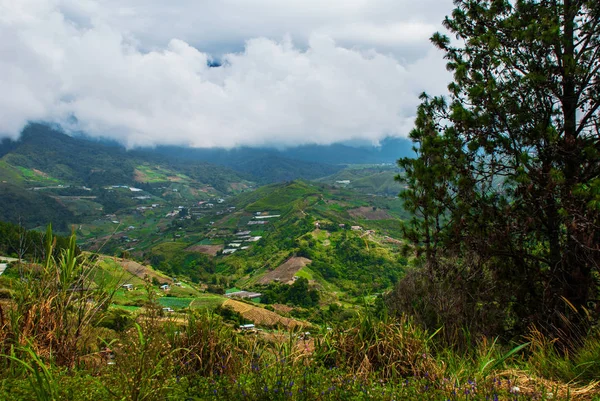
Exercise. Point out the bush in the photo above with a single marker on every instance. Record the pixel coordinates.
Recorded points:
(464, 303)
(116, 319)
(387, 348)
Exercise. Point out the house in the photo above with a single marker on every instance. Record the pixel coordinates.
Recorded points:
(167, 310)
(356, 228)
(127, 287)
(165, 287)
(254, 222)
(244, 294)
(247, 327)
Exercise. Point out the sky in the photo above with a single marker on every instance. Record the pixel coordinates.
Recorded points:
(220, 73)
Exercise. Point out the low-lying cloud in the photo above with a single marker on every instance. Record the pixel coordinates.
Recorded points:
(71, 66)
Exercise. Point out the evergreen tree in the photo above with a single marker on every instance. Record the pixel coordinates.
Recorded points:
(507, 178)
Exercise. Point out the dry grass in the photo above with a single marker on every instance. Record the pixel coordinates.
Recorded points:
(529, 385)
(141, 271)
(370, 345)
(262, 316)
(285, 272)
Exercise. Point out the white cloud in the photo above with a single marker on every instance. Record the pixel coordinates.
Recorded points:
(65, 59)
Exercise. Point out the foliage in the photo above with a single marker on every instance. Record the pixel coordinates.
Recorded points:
(28, 244)
(298, 294)
(507, 170)
(31, 209)
(197, 356)
(53, 306)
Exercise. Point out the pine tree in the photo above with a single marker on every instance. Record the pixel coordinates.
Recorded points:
(508, 167)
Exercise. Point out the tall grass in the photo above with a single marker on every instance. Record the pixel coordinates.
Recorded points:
(54, 305)
(391, 348)
(50, 352)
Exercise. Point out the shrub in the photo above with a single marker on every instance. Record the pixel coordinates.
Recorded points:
(385, 347)
(466, 303)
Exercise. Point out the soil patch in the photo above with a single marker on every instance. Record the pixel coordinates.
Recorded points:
(285, 272)
(40, 173)
(368, 213)
(210, 250)
(282, 308)
(262, 316)
(140, 270)
(139, 176)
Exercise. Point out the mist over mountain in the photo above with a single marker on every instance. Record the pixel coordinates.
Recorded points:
(389, 150)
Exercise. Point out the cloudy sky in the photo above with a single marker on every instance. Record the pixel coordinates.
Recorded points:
(290, 71)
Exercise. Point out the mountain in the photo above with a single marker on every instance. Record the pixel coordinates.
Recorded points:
(389, 150)
(368, 179)
(47, 175)
(348, 238)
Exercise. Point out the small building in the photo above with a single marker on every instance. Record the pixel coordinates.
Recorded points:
(127, 287)
(247, 327)
(244, 294)
(165, 287)
(356, 228)
(167, 310)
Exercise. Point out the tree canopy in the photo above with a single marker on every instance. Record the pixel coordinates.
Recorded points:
(506, 184)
